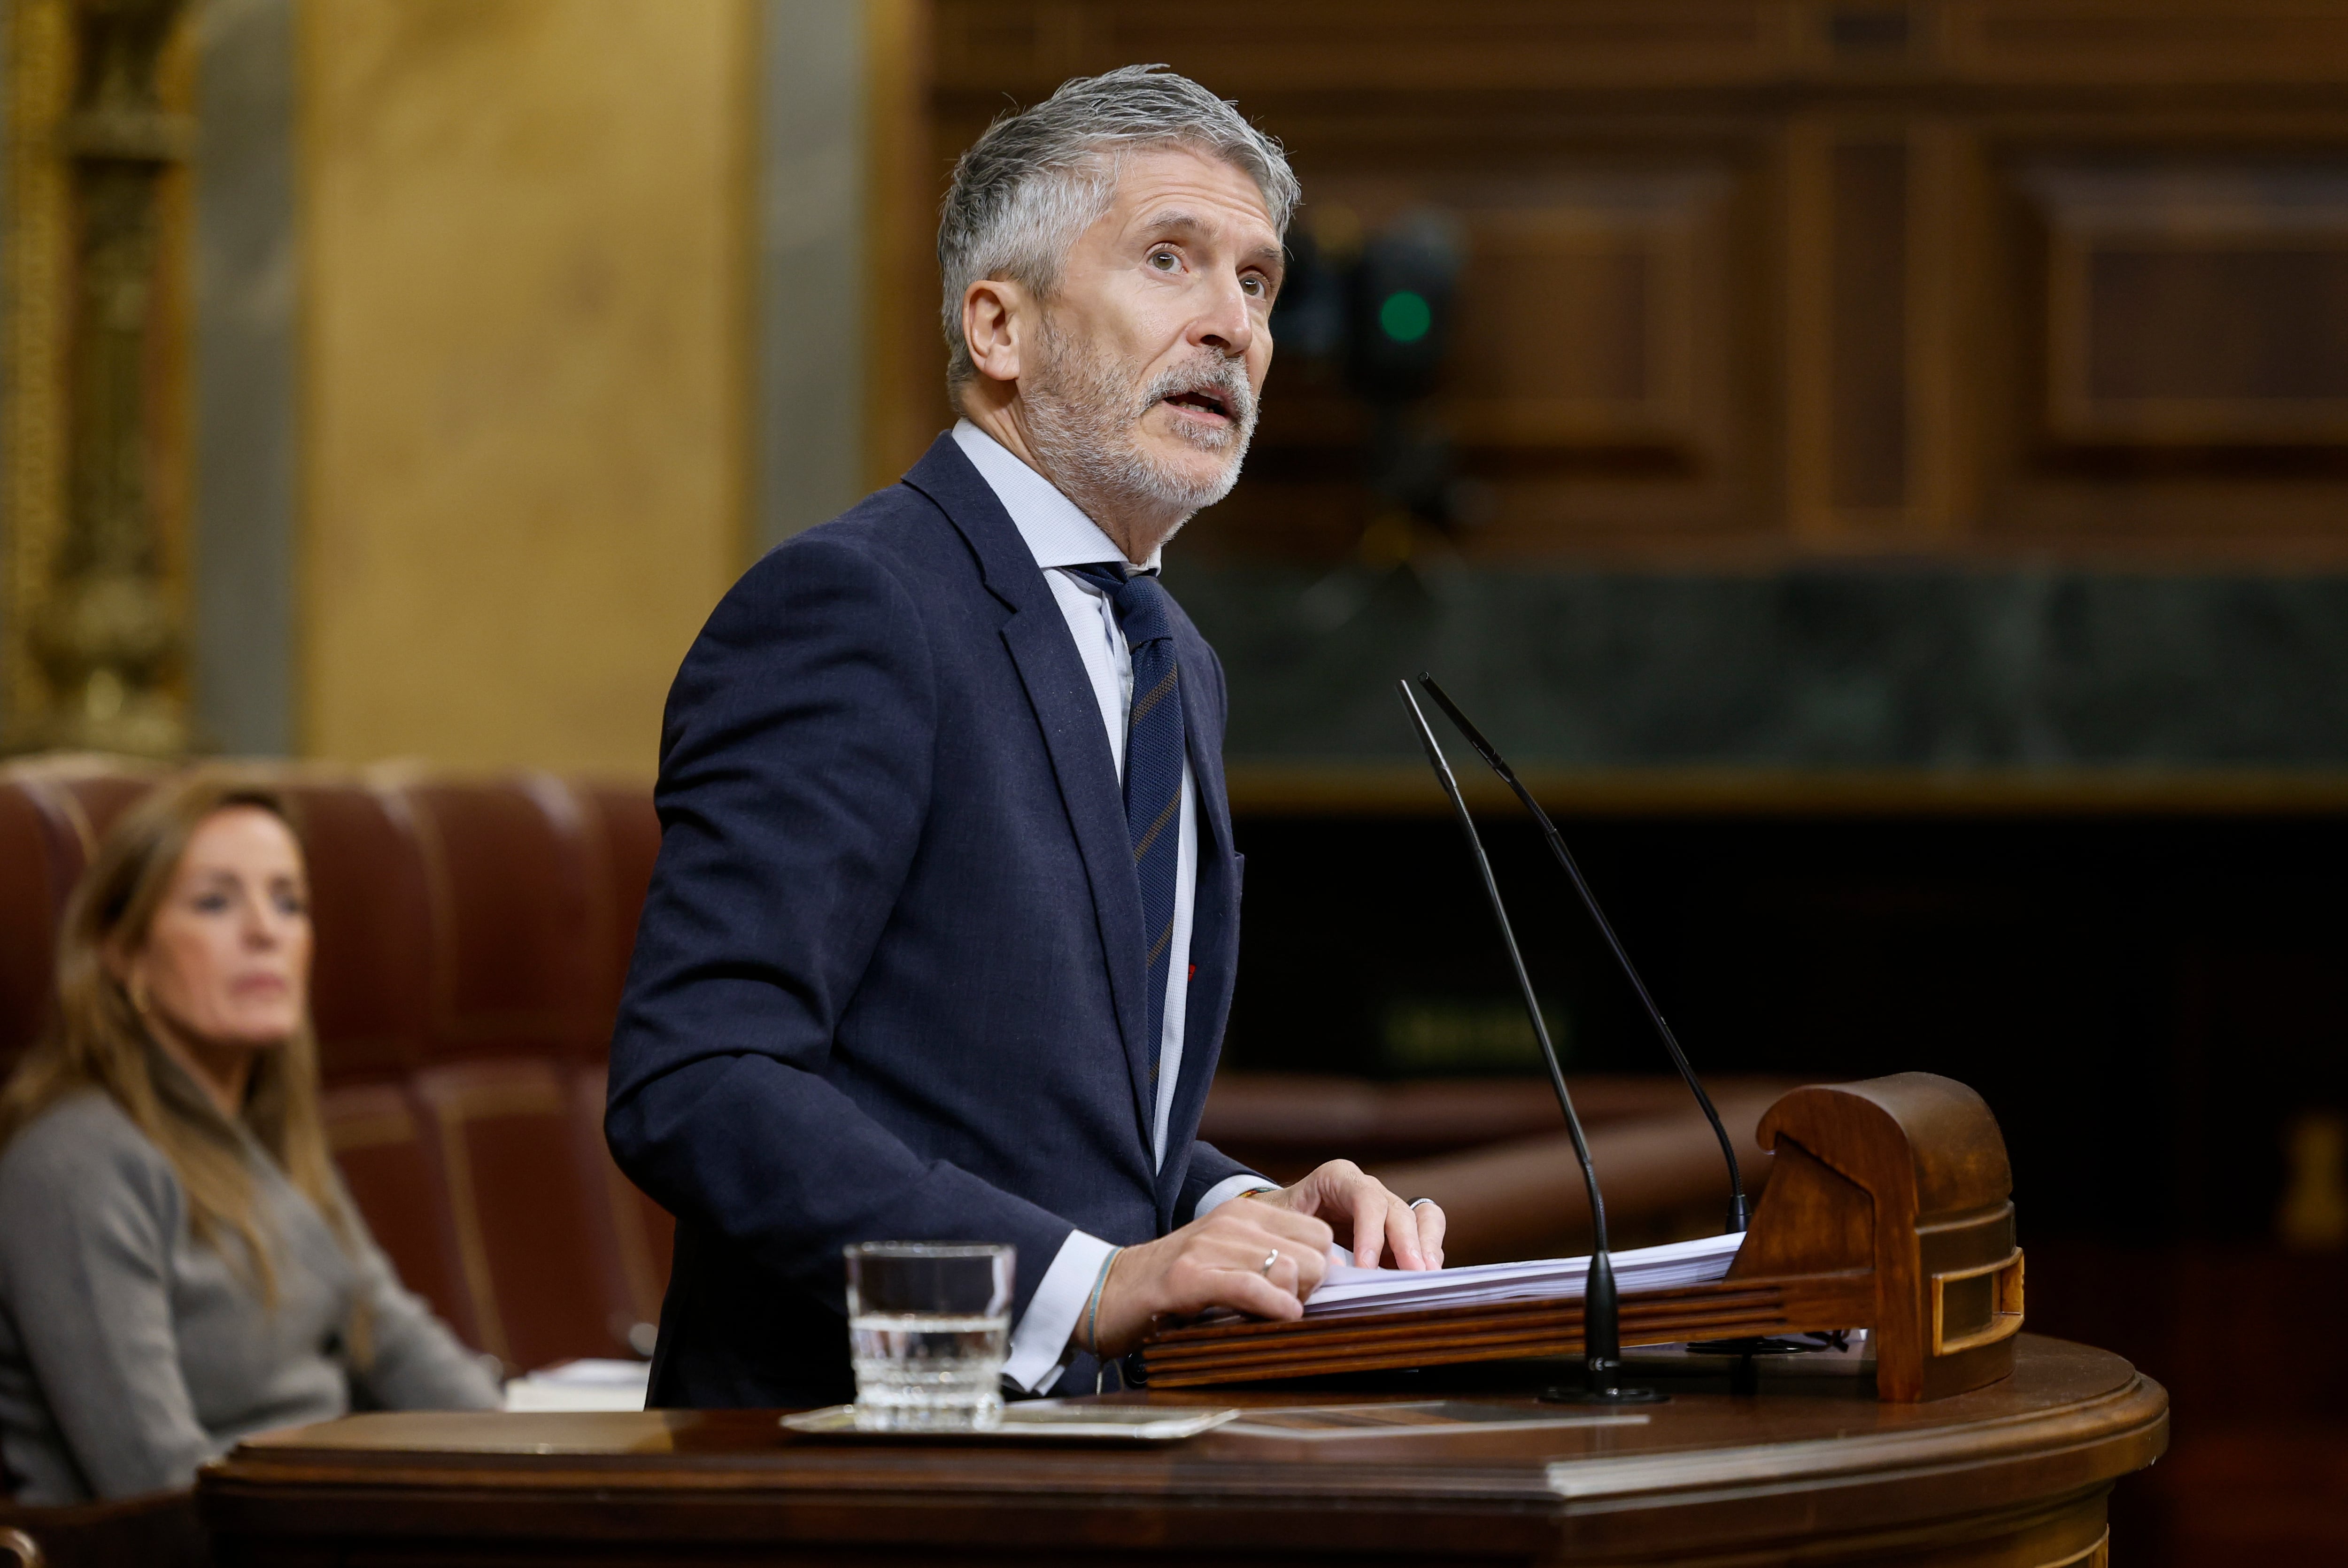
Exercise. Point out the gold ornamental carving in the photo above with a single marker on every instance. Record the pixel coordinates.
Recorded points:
(104, 635)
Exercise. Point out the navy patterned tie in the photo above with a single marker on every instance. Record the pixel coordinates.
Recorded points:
(1153, 767)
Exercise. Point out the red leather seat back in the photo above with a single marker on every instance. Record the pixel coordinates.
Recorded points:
(391, 1165)
(370, 993)
(520, 933)
(371, 981)
(53, 811)
(622, 835)
(525, 1211)
(40, 855)
(642, 1234)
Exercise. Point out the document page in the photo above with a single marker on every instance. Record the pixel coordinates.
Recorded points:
(1346, 1287)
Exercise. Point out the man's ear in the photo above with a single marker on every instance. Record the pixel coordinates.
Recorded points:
(997, 317)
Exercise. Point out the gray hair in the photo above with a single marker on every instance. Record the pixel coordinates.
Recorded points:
(1039, 177)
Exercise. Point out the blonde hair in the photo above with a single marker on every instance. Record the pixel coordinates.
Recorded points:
(98, 1039)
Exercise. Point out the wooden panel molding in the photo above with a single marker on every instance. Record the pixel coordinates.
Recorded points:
(2155, 42)
(1318, 46)
(2196, 307)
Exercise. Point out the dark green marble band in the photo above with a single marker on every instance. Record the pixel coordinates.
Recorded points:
(1862, 668)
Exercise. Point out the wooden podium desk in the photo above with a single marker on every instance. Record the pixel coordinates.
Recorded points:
(2015, 1475)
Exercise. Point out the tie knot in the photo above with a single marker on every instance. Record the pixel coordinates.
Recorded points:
(1140, 601)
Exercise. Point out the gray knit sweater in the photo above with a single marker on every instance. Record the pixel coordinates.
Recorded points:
(130, 1353)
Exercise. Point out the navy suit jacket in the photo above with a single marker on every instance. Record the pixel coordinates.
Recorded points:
(889, 980)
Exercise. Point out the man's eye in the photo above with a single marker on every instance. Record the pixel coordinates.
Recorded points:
(1162, 259)
(1253, 287)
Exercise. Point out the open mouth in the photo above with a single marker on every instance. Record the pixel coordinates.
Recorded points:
(1202, 403)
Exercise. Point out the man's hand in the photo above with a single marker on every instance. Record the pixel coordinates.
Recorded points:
(1221, 1261)
(1358, 1205)
(1258, 1258)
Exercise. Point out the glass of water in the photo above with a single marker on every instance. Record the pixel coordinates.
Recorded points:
(929, 1325)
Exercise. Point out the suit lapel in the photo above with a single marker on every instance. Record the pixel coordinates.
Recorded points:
(1036, 635)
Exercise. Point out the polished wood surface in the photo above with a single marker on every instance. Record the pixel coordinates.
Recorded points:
(1809, 1469)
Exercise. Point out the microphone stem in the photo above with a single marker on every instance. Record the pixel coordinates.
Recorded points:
(1601, 1329)
(1517, 963)
(1738, 1212)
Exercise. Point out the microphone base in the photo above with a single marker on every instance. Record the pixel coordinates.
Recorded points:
(1565, 1395)
(1771, 1345)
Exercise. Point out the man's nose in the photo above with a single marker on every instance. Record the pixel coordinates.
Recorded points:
(1225, 324)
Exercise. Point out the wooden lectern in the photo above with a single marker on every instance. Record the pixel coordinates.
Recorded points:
(1889, 1208)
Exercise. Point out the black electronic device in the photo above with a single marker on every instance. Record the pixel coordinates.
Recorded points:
(1398, 320)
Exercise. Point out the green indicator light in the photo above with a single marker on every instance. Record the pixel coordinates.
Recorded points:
(1405, 316)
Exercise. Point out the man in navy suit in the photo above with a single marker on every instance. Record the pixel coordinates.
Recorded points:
(942, 938)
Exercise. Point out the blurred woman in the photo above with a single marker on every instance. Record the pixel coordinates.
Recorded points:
(179, 1267)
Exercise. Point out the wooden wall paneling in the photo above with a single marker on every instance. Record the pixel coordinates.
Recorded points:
(1807, 214)
(1577, 319)
(1351, 46)
(1847, 350)
(2164, 43)
(1597, 395)
(1945, 267)
(1870, 325)
(2163, 337)
(1593, 390)
(1879, 269)
(2197, 306)
(1867, 260)
(1319, 45)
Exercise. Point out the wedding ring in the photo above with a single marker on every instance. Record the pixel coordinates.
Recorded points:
(1270, 1258)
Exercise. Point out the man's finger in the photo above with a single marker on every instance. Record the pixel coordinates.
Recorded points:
(1373, 1208)
(1291, 1264)
(1258, 1297)
(1296, 1270)
(1431, 1228)
(1402, 1226)
(1220, 1277)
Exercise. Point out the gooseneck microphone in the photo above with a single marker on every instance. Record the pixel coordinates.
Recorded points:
(1602, 1339)
(1738, 1212)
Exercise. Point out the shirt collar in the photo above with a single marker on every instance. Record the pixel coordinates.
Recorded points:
(1057, 533)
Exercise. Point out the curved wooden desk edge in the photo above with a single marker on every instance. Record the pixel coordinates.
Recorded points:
(2014, 1474)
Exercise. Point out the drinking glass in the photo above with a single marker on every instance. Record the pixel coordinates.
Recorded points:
(929, 1325)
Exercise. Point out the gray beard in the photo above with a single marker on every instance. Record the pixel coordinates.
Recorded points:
(1084, 414)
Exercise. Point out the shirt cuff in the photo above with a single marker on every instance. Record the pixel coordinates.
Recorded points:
(1229, 1188)
(1039, 1344)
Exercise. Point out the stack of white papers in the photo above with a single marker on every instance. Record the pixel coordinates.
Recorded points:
(1345, 1287)
(584, 1385)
